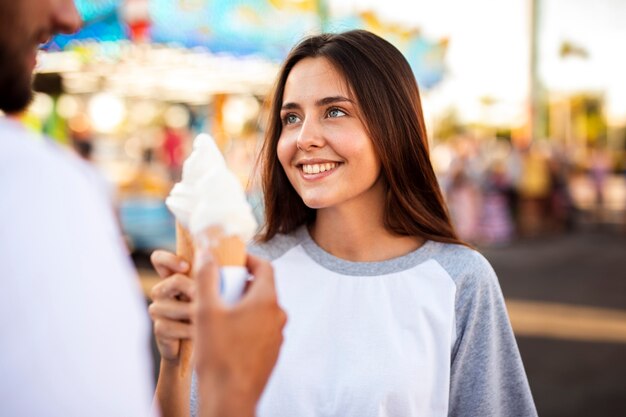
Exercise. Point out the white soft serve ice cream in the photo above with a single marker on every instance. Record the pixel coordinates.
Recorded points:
(209, 194)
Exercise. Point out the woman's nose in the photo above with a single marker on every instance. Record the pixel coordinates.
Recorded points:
(310, 135)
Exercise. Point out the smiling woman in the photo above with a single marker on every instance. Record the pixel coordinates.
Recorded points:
(364, 80)
(389, 312)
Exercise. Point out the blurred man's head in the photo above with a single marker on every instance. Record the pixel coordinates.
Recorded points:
(24, 25)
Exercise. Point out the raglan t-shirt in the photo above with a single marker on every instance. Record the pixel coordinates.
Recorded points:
(424, 334)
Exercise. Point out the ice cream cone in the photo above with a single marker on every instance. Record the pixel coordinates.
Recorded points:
(184, 243)
(230, 254)
(211, 204)
(228, 250)
(185, 250)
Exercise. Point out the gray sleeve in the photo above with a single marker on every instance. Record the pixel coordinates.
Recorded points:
(279, 244)
(487, 375)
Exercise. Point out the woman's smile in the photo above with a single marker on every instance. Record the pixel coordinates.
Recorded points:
(318, 168)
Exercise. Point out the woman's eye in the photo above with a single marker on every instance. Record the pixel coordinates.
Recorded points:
(290, 119)
(336, 113)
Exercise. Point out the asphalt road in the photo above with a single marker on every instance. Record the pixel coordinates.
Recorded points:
(575, 377)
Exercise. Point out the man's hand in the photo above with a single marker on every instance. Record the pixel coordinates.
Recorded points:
(236, 347)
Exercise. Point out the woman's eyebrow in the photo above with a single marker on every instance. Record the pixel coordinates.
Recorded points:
(290, 106)
(320, 103)
(331, 100)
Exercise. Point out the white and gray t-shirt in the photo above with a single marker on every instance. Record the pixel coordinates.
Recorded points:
(425, 334)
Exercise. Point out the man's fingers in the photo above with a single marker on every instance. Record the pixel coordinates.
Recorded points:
(166, 263)
(207, 277)
(263, 282)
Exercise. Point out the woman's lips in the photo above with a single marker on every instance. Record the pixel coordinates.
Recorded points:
(317, 168)
(314, 171)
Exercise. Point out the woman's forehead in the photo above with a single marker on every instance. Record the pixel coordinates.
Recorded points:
(315, 77)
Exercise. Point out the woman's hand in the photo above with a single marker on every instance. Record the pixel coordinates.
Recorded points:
(172, 304)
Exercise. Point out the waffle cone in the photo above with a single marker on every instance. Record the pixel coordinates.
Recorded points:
(184, 243)
(185, 250)
(230, 251)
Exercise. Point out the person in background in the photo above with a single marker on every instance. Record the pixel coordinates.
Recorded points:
(390, 313)
(75, 334)
(464, 203)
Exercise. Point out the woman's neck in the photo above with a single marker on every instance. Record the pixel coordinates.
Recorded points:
(359, 235)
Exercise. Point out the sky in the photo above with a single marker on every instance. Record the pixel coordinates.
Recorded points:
(488, 53)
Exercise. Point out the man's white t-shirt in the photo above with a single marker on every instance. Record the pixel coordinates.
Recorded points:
(75, 334)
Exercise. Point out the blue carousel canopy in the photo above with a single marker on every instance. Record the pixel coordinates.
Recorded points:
(101, 22)
(240, 27)
(268, 28)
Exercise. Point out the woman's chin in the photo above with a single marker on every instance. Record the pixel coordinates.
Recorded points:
(315, 202)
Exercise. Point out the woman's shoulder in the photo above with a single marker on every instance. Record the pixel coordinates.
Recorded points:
(463, 264)
(278, 245)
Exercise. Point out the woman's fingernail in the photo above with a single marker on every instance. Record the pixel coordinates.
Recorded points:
(184, 265)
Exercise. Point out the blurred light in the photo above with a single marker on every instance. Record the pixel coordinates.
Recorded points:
(616, 107)
(143, 113)
(106, 112)
(67, 61)
(176, 117)
(441, 158)
(68, 106)
(134, 147)
(80, 123)
(238, 110)
(42, 106)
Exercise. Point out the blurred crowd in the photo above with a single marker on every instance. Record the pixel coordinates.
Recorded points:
(498, 191)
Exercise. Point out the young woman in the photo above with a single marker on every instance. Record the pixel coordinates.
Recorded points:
(389, 313)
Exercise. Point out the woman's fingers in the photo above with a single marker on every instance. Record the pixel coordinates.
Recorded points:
(165, 330)
(168, 348)
(171, 309)
(168, 335)
(176, 286)
(166, 263)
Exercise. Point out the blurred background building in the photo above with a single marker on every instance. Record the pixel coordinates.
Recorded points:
(524, 99)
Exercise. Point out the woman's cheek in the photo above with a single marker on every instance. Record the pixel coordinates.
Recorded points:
(285, 151)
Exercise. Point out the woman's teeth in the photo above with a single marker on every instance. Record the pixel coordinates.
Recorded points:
(317, 168)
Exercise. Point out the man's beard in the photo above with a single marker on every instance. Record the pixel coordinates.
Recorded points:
(15, 82)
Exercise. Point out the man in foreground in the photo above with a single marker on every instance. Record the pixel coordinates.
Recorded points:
(74, 327)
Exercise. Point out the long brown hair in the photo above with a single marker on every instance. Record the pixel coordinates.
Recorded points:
(385, 88)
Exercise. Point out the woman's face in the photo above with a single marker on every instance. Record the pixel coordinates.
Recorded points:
(323, 147)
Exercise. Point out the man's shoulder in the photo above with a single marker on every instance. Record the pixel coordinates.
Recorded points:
(30, 157)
